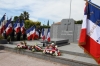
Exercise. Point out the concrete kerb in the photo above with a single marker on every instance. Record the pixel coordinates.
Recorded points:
(74, 53)
(50, 58)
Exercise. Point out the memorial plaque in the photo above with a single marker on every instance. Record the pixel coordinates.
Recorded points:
(67, 29)
(67, 33)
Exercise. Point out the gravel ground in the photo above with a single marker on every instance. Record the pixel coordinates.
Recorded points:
(13, 59)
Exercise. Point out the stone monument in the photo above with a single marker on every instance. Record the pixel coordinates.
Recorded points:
(65, 30)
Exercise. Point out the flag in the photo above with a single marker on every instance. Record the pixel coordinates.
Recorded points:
(90, 35)
(42, 34)
(33, 32)
(28, 34)
(22, 27)
(37, 35)
(48, 35)
(2, 24)
(17, 26)
(8, 27)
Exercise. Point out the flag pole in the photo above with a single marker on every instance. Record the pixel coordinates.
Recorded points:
(86, 2)
(70, 10)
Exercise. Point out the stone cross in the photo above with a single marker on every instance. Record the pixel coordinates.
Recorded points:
(67, 25)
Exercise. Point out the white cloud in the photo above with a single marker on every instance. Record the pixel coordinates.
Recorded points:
(49, 9)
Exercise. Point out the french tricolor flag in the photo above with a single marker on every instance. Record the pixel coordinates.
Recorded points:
(8, 27)
(90, 35)
(28, 34)
(36, 34)
(33, 32)
(42, 34)
(48, 35)
(22, 27)
(17, 26)
(2, 24)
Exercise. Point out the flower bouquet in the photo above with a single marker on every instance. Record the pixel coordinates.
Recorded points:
(52, 50)
(35, 48)
(22, 45)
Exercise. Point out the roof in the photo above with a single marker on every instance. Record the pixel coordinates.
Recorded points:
(57, 23)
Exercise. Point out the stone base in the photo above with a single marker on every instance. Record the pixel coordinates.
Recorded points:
(3, 41)
(60, 42)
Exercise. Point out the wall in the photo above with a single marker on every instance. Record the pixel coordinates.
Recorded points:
(77, 32)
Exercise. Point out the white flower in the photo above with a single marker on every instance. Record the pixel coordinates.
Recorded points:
(33, 50)
(47, 51)
(50, 52)
(19, 46)
(56, 53)
(56, 46)
(53, 53)
(43, 51)
(52, 44)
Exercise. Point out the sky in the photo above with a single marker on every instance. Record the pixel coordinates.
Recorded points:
(44, 10)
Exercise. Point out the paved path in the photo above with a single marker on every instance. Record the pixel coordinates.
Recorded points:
(13, 59)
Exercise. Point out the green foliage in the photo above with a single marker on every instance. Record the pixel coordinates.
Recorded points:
(45, 26)
(23, 16)
(15, 18)
(29, 23)
(21, 38)
(37, 23)
(1, 37)
(15, 37)
(78, 22)
(26, 15)
(48, 23)
(8, 38)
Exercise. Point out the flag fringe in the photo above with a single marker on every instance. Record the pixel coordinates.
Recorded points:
(86, 52)
(94, 5)
(82, 43)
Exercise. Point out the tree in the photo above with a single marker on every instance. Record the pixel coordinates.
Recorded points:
(21, 17)
(15, 18)
(78, 22)
(26, 15)
(29, 23)
(48, 23)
